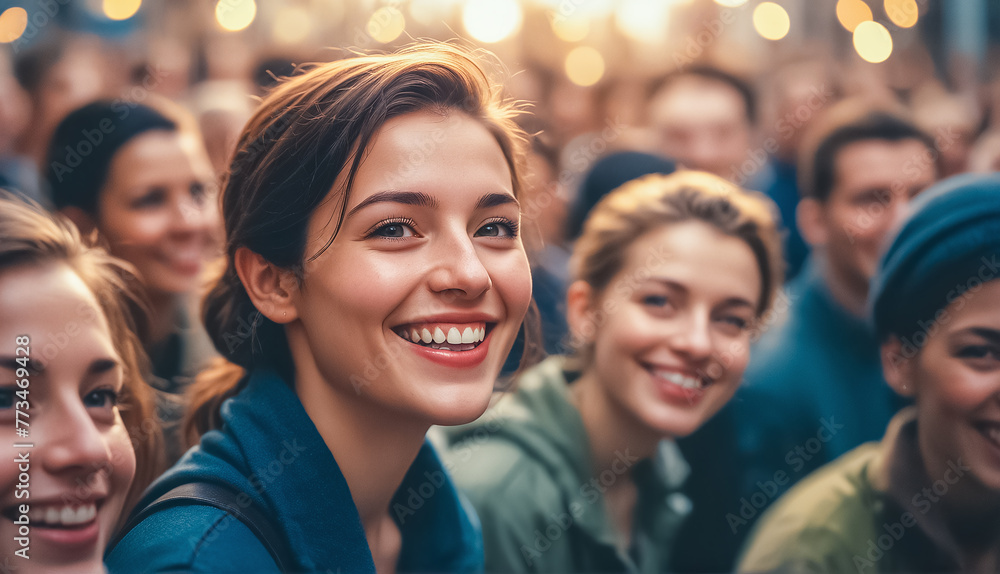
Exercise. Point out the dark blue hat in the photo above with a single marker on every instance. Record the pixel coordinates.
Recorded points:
(949, 244)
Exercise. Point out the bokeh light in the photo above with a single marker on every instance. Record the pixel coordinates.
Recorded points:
(731, 3)
(850, 13)
(584, 66)
(13, 22)
(491, 20)
(644, 20)
(903, 13)
(386, 24)
(771, 21)
(571, 29)
(292, 25)
(235, 15)
(872, 42)
(121, 9)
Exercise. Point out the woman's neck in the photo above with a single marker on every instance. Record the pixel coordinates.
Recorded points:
(612, 431)
(373, 448)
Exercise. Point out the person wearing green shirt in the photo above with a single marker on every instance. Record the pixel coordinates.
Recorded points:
(576, 470)
(927, 497)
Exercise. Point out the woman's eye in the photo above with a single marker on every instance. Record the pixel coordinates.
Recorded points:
(655, 300)
(978, 352)
(198, 191)
(498, 228)
(393, 230)
(152, 199)
(101, 398)
(738, 322)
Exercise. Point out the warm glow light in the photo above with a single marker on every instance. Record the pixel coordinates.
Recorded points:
(852, 12)
(731, 3)
(584, 66)
(235, 15)
(386, 24)
(121, 9)
(13, 21)
(644, 20)
(431, 12)
(491, 20)
(903, 13)
(771, 21)
(873, 42)
(571, 29)
(292, 25)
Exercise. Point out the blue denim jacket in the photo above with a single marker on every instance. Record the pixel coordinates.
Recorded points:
(269, 449)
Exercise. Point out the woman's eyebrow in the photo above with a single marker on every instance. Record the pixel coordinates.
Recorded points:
(495, 199)
(991, 335)
(393, 196)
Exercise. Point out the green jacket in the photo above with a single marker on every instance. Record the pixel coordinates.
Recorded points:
(526, 467)
(874, 509)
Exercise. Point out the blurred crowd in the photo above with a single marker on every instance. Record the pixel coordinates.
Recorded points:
(843, 150)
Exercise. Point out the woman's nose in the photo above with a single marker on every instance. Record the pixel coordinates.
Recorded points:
(459, 269)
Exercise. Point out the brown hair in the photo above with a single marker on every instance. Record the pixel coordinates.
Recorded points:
(653, 201)
(306, 132)
(29, 236)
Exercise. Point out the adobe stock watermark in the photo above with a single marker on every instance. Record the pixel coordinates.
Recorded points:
(785, 126)
(770, 489)
(911, 170)
(921, 503)
(592, 492)
(44, 12)
(957, 296)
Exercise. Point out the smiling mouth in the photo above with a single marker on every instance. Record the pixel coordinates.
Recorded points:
(58, 516)
(446, 337)
(685, 381)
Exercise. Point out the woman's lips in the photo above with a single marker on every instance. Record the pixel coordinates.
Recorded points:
(678, 387)
(457, 345)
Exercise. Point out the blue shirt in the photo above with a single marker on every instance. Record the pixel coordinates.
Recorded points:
(269, 449)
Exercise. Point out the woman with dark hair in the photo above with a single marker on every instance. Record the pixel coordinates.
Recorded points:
(71, 375)
(375, 282)
(139, 177)
(927, 497)
(577, 470)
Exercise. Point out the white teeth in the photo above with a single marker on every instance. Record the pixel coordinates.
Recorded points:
(680, 380)
(438, 335)
(426, 336)
(476, 335)
(415, 336)
(454, 337)
(468, 336)
(65, 515)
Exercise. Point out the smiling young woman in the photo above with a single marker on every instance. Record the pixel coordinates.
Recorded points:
(927, 497)
(572, 473)
(71, 367)
(138, 175)
(375, 284)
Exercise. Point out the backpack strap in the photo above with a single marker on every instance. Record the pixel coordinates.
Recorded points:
(224, 498)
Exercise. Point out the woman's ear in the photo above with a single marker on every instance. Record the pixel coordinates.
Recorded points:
(579, 303)
(812, 224)
(897, 366)
(271, 288)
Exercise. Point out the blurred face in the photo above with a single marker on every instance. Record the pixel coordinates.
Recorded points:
(424, 288)
(702, 124)
(82, 462)
(956, 381)
(675, 342)
(875, 181)
(158, 210)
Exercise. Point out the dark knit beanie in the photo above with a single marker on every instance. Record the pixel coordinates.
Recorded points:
(948, 246)
(86, 141)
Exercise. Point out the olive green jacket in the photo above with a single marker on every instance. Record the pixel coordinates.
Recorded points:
(526, 467)
(875, 509)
